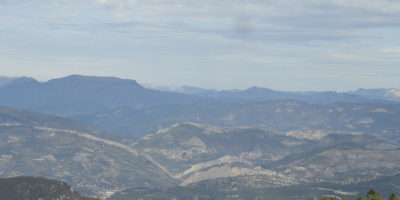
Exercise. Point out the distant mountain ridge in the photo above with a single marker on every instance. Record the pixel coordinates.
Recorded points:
(390, 94)
(259, 94)
(78, 94)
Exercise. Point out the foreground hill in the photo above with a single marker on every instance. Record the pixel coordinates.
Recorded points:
(382, 120)
(41, 145)
(26, 188)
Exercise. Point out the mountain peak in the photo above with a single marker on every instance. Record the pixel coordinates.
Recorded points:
(256, 88)
(22, 80)
(92, 80)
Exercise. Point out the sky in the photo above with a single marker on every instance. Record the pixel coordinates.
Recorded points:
(293, 45)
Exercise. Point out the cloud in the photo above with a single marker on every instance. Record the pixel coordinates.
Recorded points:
(275, 37)
(288, 20)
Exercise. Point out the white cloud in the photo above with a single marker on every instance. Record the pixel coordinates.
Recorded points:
(277, 37)
(265, 19)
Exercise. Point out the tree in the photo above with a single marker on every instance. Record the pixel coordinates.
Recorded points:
(394, 197)
(372, 195)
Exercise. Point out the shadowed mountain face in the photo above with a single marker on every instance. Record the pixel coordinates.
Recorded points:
(378, 119)
(83, 94)
(25, 188)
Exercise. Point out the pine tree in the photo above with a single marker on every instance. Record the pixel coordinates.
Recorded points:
(394, 197)
(372, 195)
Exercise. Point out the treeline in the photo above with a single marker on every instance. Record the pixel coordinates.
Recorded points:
(371, 195)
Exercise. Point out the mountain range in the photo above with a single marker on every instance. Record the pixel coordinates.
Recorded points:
(83, 94)
(188, 155)
(77, 95)
(113, 138)
(265, 94)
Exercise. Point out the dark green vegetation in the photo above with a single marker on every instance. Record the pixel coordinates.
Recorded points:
(27, 188)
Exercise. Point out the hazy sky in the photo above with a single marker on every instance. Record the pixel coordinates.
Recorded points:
(280, 44)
